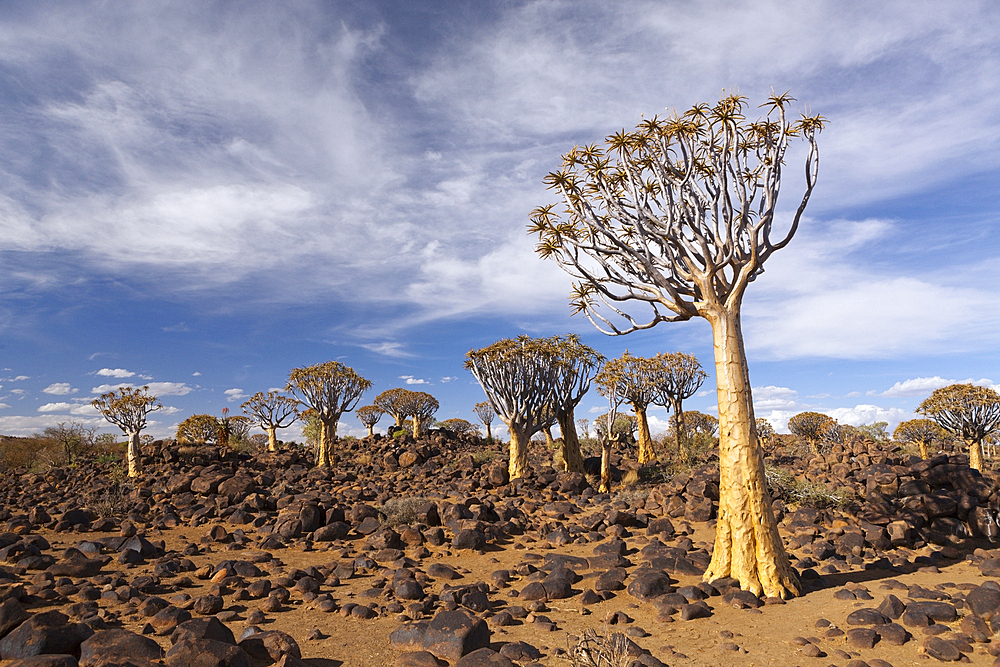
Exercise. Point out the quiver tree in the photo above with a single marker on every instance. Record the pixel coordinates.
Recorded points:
(967, 411)
(369, 416)
(608, 430)
(679, 214)
(765, 432)
(814, 428)
(393, 402)
(921, 432)
(239, 428)
(420, 407)
(486, 415)
(127, 408)
(198, 429)
(329, 389)
(638, 380)
(578, 364)
(458, 426)
(271, 411)
(521, 378)
(682, 377)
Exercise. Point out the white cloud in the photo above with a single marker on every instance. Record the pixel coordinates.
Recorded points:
(24, 425)
(115, 373)
(20, 378)
(4, 405)
(388, 349)
(868, 414)
(56, 407)
(412, 380)
(923, 386)
(774, 398)
(196, 374)
(447, 379)
(155, 388)
(60, 389)
(235, 394)
(17, 391)
(85, 409)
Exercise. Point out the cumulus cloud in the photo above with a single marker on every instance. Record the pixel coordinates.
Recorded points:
(774, 398)
(409, 379)
(922, 386)
(115, 373)
(868, 414)
(4, 405)
(235, 394)
(56, 407)
(60, 389)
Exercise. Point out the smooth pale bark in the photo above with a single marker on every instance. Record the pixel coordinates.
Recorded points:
(923, 449)
(679, 441)
(489, 433)
(606, 464)
(418, 425)
(327, 435)
(371, 429)
(975, 454)
(134, 454)
(747, 545)
(645, 441)
(272, 439)
(518, 465)
(570, 442)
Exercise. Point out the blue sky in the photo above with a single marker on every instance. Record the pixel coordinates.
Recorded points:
(201, 196)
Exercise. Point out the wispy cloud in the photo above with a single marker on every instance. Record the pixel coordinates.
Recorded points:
(388, 349)
(235, 394)
(155, 388)
(923, 386)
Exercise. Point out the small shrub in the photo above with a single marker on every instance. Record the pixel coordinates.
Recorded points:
(483, 456)
(600, 650)
(631, 497)
(809, 494)
(401, 511)
(113, 501)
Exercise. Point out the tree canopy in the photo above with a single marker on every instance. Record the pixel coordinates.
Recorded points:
(968, 411)
(329, 389)
(127, 408)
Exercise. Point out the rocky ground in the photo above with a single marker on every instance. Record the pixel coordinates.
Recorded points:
(422, 553)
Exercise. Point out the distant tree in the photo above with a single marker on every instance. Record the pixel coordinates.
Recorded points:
(127, 408)
(271, 411)
(764, 431)
(679, 215)
(876, 431)
(701, 423)
(70, 438)
(420, 407)
(682, 377)
(330, 389)
(239, 428)
(198, 429)
(583, 426)
(624, 429)
(639, 381)
(814, 428)
(369, 416)
(577, 364)
(486, 414)
(394, 402)
(458, 426)
(521, 378)
(969, 412)
(921, 432)
(608, 431)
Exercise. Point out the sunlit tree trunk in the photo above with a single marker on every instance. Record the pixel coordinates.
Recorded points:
(570, 442)
(679, 441)
(923, 449)
(134, 454)
(747, 544)
(324, 452)
(606, 464)
(975, 454)
(518, 466)
(272, 439)
(417, 427)
(489, 432)
(646, 453)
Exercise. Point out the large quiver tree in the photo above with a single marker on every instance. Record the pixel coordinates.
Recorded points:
(967, 411)
(521, 378)
(329, 389)
(126, 408)
(578, 364)
(680, 214)
(921, 432)
(420, 406)
(271, 411)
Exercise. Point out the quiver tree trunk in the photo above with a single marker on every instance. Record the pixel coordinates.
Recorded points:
(133, 454)
(518, 466)
(324, 451)
(272, 439)
(923, 449)
(606, 463)
(489, 431)
(747, 545)
(570, 442)
(975, 454)
(645, 441)
(679, 439)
